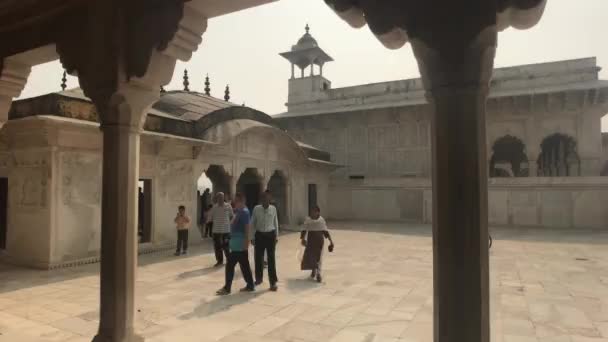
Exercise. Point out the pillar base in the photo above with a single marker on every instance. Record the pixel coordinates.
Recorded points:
(131, 338)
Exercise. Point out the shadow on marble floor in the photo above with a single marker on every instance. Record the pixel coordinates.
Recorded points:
(19, 278)
(295, 285)
(199, 273)
(219, 304)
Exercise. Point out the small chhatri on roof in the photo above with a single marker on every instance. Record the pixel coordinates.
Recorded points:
(207, 84)
(306, 53)
(63, 81)
(186, 83)
(227, 93)
(162, 89)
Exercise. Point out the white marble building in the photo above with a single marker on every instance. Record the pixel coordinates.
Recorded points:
(51, 167)
(543, 134)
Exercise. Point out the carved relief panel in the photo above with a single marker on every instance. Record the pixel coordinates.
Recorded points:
(30, 178)
(175, 181)
(80, 178)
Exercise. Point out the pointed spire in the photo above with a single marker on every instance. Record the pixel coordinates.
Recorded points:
(186, 83)
(207, 84)
(227, 93)
(162, 89)
(63, 81)
(307, 28)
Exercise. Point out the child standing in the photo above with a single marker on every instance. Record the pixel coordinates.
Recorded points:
(208, 225)
(182, 224)
(313, 238)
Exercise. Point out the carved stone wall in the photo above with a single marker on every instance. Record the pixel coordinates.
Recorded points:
(30, 222)
(391, 142)
(557, 202)
(55, 177)
(78, 220)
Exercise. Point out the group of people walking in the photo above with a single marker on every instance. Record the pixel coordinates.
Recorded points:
(234, 229)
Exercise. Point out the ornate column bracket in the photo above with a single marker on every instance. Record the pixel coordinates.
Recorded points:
(14, 71)
(13, 77)
(188, 36)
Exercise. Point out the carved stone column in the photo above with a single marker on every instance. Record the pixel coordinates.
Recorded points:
(532, 165)
(233, 183)
(121, 123)
(122, 54)
(456, 88)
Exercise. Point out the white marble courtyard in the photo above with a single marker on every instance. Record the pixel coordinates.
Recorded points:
(546, 286)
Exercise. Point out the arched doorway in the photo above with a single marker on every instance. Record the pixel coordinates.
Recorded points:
(277, 186)
(220, 179)
(558, 156)
(508, 158)
(250, 184)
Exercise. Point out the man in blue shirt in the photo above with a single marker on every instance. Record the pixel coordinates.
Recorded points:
(239, 247)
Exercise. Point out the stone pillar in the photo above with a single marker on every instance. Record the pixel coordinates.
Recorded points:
(121, 123)
(121, 68)
(532, 165)
(233, 181)
(456, 86)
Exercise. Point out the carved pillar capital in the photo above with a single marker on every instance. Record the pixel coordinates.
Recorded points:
(14, 71)
(13, 76)
(467, 70)
(129, 49)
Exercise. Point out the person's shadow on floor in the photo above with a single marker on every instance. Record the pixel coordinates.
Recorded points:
(199, 273)
(301, 284)
(220, 304)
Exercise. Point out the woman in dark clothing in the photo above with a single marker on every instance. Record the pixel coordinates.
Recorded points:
(313, 238)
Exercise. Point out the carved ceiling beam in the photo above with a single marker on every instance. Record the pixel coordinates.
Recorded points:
(395, 22)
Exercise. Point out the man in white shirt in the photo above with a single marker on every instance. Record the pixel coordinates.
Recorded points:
(265, 225)
(221, 215)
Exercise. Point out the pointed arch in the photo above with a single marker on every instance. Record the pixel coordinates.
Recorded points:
(508, 158)
(559, 157)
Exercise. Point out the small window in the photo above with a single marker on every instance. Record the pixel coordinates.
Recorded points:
(325, 86)
(357, 177)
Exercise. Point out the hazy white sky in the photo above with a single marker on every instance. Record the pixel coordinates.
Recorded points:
(241, 49)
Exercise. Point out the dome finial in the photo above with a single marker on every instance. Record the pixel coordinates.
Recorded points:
(207, 84)
(227, 93)
(186, 83)
(307, 28)
(63, 81)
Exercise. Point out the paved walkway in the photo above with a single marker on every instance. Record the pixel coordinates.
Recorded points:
(546, 286)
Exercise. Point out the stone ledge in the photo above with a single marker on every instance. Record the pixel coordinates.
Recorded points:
(143, 250)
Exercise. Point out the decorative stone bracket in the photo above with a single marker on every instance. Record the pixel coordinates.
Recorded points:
(13, 77)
